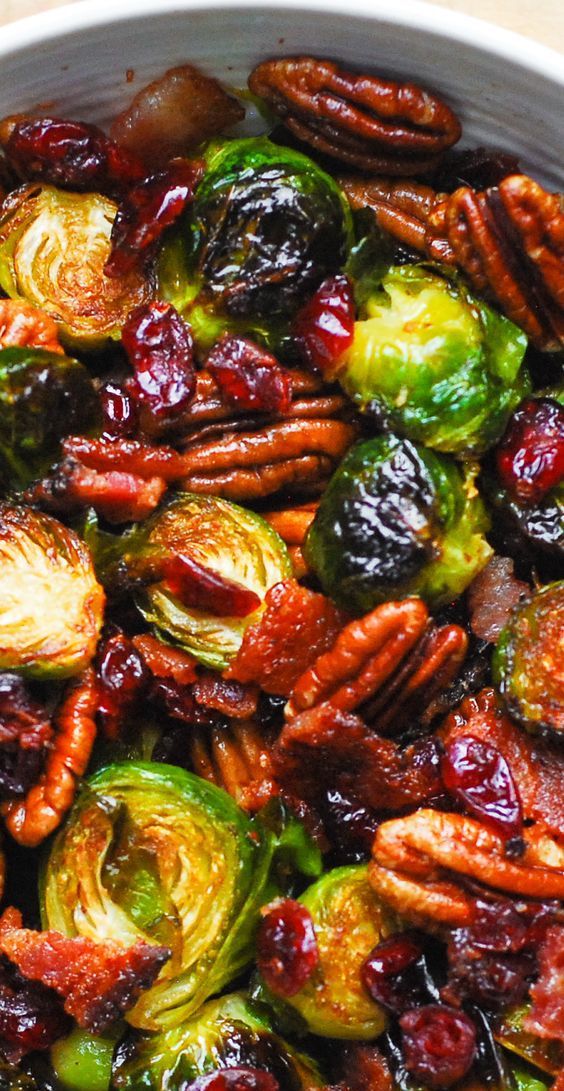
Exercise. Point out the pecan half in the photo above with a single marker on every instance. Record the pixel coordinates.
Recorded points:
(379, 125)
(236, 758)
(508, 240)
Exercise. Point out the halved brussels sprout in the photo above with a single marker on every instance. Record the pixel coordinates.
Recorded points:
(51, 605)
(83, 1061)
(435, 363)
(226, 538)
(153, 852)
(528, 662)
(226, 1033)
(53, 248)
(43, 397)
(349, 920)
(397, 520)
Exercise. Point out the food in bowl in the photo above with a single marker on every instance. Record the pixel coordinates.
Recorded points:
(282, 596)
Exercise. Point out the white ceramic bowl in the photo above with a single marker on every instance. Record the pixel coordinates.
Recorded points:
(77, 60)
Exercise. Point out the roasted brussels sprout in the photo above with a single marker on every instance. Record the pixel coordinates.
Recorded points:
(226, 1033)
(83, 1061)
(53, 247)
(397, 520)
(435, 363)
(51, 605)
(543, 1055)
(349, 920)
(153, 852)
(227, 539)
(528, 661)
(267, 226)
(43, 397)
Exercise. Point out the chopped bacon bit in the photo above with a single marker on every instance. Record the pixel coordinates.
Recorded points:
(228, 697)
(119, 497)
(165, 661)
(198, 586)
(98, 981)
(22, 325)
(296, 626)
(491, 597)
(249, 376)
(365, 1069)
(546, 1017)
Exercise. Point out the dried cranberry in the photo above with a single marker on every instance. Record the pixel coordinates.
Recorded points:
(235, 1079)
(477, 774)
(31, 1015)
(478, 168)
(119, 410)
(199, 587)
(70, 153)
(160, 350)
(530, 457)
(439, 1044)
(25, 734)
(249, 376)
(350, 824)
(146, 211)
(287, 947)
(392, 973)
(122, 678)
(324, 328)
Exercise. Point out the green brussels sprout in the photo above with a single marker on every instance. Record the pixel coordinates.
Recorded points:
(51, 605)
(234, 542)
(543, 1055)
(225, 1033)
(397, 520)
(435, 363)
(528, 663)
(349, 920)
(267, 225)
(529, 1079)
(83, 1061)
(43, 397)
(53, 248)
(153, 852)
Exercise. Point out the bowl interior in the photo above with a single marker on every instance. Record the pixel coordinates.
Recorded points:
(86, 61)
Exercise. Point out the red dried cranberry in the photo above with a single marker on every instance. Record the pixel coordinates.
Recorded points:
(350, 824)
(530, 457)
(70, 153)
(199, 587)
(119, 410)
(25, 734)
(439, 1044)
(392, 972)
(31, 1015)
(324, 328)
(235, 1079)
(146, 211)
(287, 947)
(249, 376)
(122, 678)
(160, 350)
(477, 774)
(180, 704)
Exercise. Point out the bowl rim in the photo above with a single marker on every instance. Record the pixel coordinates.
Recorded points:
(468, 30)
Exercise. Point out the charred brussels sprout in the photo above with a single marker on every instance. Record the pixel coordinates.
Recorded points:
(53, 248)
(435, 363)
(223, 537)
(227, 1033)
(43, 397)
(153, 852)
(51, 605)
(267, 226)
(529, 660)
(397, 520)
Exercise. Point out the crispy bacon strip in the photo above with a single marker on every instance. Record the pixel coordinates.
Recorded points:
(98, 981)
(121, 497)
(546, 1017)
(165, 661)
(22, 325)
(32, 819)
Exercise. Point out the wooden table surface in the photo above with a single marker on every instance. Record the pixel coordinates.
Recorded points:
(540, 19)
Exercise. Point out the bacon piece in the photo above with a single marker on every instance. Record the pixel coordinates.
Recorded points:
(22, 325)
(165, 661)
(491, 597)
(296, 626)
(546, 1017)
(98, 981)
(119, 497)
(229, 697)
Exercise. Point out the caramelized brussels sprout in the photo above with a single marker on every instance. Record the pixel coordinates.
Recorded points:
(438, 365)
(83, 1061)
(529, 660)
(43, 397)
(153, 852)
(397, 520)
(53, 248)
(227, 539)
(226, 1033)
(349, 920)
(51, 605)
